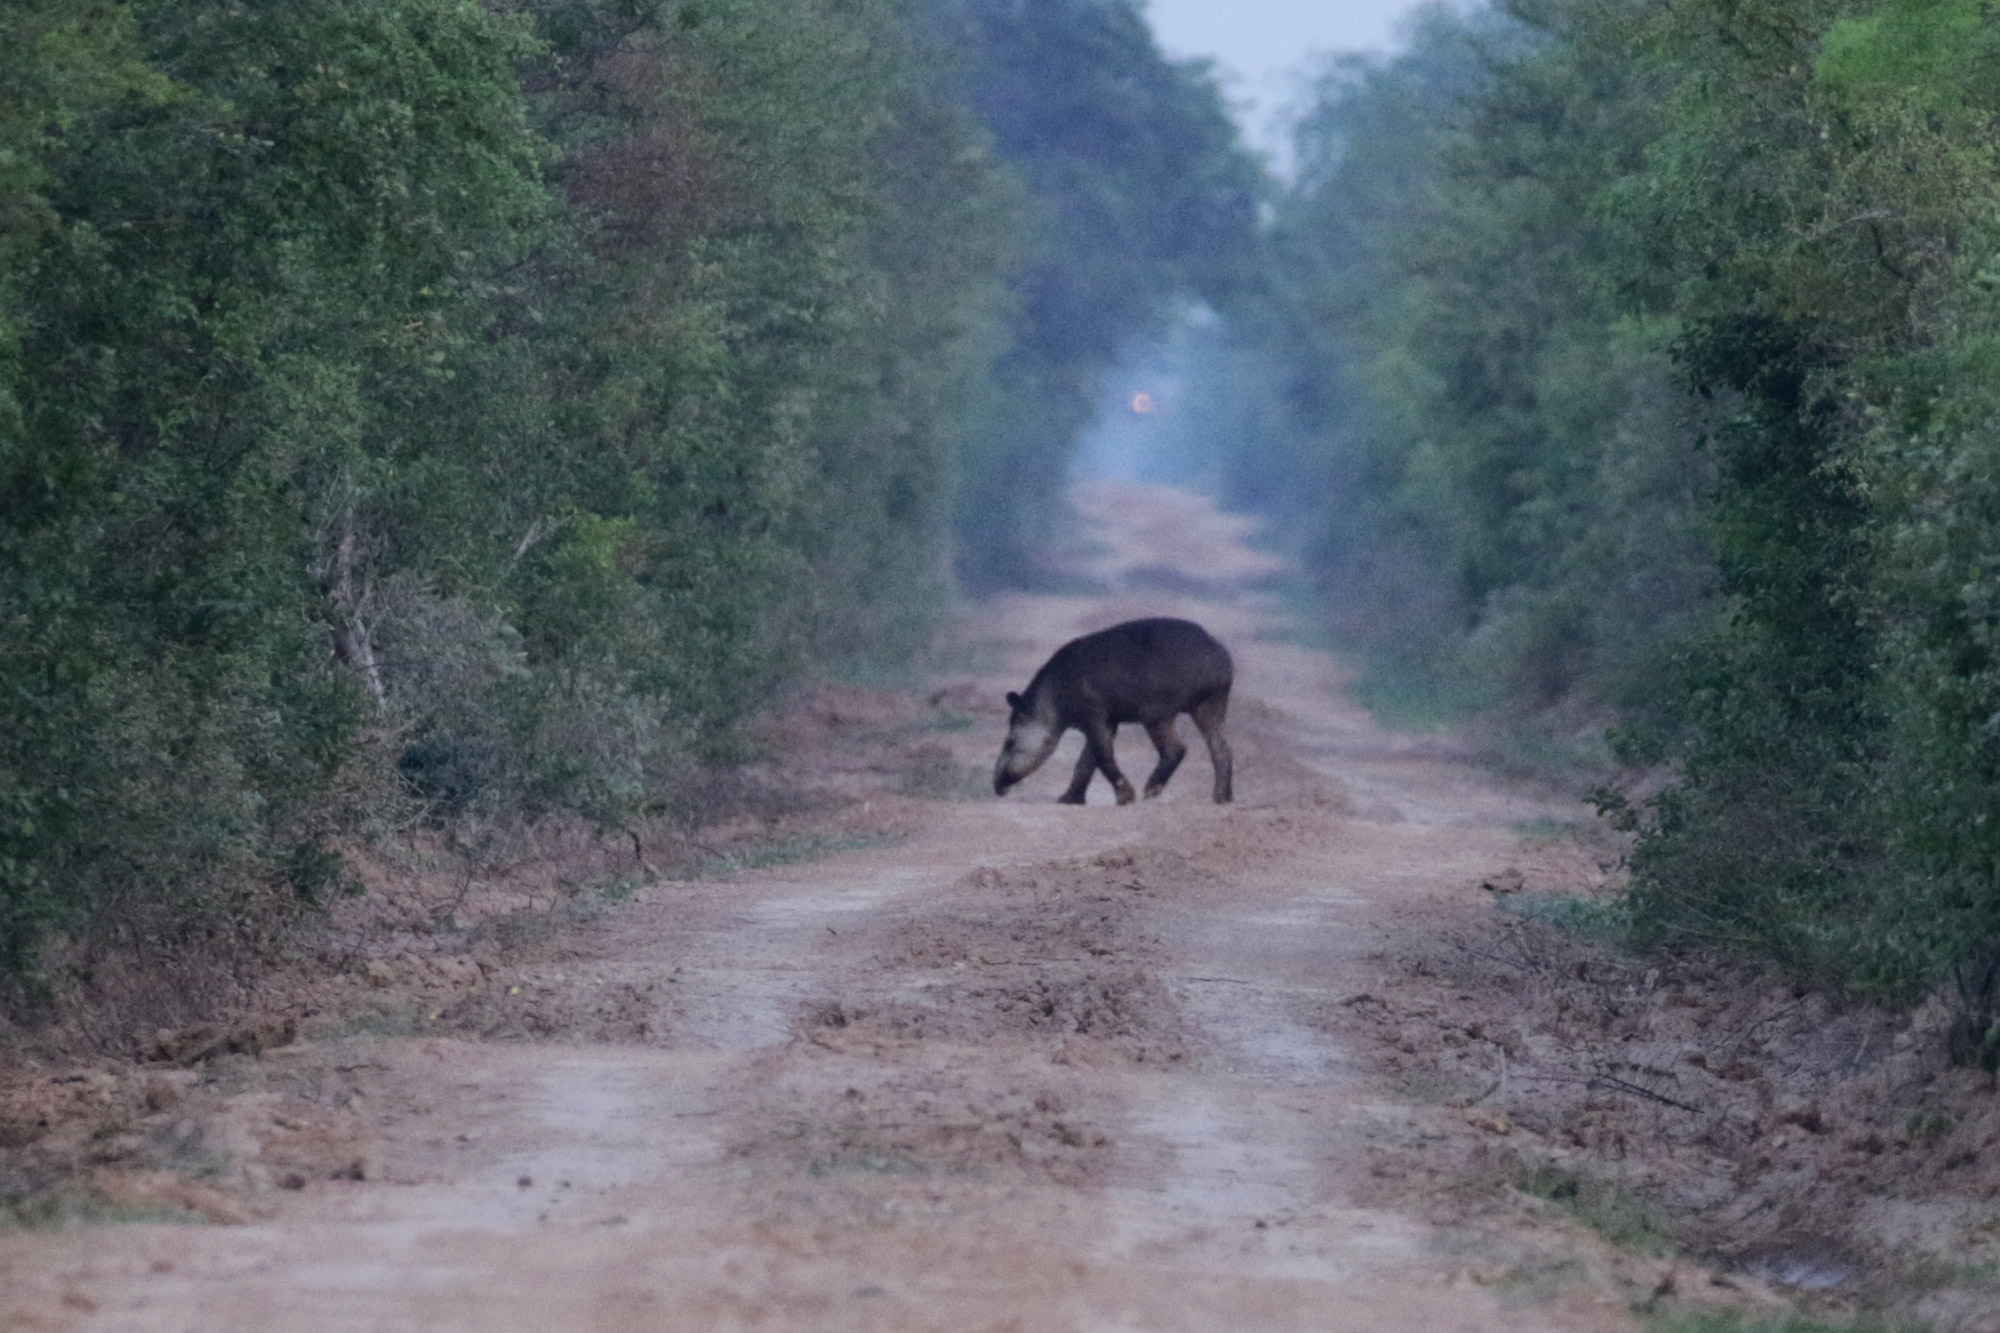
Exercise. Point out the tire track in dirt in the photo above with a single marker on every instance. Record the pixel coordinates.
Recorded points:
(1031, 1068)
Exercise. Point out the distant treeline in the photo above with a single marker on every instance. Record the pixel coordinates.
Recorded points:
(1145, 200)
(433, 410)
(1641, 359)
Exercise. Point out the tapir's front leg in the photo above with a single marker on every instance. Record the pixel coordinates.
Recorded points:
(1086, 768)
(1097, 735)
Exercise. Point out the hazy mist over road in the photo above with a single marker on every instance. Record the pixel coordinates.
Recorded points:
(1266, 48)
(1266, 52)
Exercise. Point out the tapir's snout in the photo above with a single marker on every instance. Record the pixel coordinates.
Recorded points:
(1030, 740)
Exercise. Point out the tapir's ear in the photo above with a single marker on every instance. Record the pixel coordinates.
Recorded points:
(1014, 701)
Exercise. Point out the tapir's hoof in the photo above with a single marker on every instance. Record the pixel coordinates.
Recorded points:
(1154, 789)
(1125, 794)
(1070, 798)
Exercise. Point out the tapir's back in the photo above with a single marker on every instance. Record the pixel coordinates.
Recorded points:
(1143, 670)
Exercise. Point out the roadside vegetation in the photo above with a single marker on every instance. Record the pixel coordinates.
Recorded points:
(1625, 368)
(425, 419)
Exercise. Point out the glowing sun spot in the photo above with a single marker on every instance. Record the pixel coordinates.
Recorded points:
(1142, 403)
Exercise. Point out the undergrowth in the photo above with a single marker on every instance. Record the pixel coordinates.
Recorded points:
(1730, 1321)
(66, 1209)
(1601, 920)
(1617, 1213)
(794, 851)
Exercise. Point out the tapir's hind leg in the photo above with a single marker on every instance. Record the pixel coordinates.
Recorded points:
(1171, 753)
(1208, 716)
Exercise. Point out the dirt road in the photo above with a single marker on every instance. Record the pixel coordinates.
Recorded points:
(1022, 1066)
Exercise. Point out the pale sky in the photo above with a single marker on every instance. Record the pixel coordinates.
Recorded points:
(1265, 47)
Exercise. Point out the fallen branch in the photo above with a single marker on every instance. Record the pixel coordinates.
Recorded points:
(1640, 1090)
(1616, 1084)
(1734, 1043)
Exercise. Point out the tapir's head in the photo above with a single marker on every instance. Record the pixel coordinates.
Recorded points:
(1031, 738)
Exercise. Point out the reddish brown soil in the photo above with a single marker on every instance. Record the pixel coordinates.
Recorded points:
(986, 1065)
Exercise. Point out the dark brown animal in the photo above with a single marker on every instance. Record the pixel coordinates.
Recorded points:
(1144, 671)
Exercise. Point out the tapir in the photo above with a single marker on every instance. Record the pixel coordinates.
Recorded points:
(1144, 671)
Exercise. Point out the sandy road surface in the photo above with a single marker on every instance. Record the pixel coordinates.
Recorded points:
(1034, 1067)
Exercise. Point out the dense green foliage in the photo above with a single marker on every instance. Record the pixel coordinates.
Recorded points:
(480, 405)
(227, 245)
(1632, 358)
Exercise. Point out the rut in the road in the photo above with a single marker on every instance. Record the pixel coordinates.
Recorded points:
(1026, 970)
